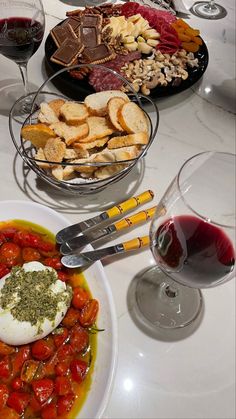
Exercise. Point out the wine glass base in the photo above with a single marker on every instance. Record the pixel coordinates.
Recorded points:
(22, 108)
(163, 306)
(203, 10)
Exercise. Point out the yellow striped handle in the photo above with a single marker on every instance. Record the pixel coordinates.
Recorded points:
(136, 243)
(140, 217)
(131, 203)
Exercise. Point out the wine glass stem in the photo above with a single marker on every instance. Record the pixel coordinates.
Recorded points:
(211, 5)
(24, 75)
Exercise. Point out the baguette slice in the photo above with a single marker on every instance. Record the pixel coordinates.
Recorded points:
(128, 140)
(70, 133)
(97, 102)
(99, 127)
(107, 171)
(113, 106)
(56, 105)
(74, 113)
(54, 150)
(41, 156)
(92, 144)
(132, 118)
(47, 114)
(37, 134)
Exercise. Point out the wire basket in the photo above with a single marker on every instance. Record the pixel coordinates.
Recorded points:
(78, 185)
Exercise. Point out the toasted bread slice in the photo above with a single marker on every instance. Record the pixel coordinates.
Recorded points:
(54, 150)
(132, 118)
(84, 169)
(70, 153)
(47, 114)
(70, 133)
(99, 127)
(38, 134)
(118, 154)
(97, 102)
(128, 140)
(57, 172)
(41, 156)
(56, 105)
(74, 113)
(113, 106)
(107, 171)
(92, 144)
(68, 172)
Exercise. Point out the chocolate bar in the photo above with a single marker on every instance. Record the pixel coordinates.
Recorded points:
(90, 36)
(67, 53)
(98, 55)
(61, 33)
(74, 22)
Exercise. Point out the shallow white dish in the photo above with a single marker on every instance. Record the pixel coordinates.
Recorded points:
(105, 362)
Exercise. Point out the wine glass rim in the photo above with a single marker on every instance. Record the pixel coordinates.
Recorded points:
(211, 221)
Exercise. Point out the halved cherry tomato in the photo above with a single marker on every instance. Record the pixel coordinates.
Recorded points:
(34, 405)
(43, 389)
(63, 276)
(41, 350)
(65, 403)
(5, 367)
(4, 393)
(26, 239)
(18, 401)
(17, 383)
(30, 254)
(65, 352)
(71, 318)
(62, 368)
(10, 254)
(89, 312)
(54, 263)
(60, 335)
(80, 297)
(19, 358)
(49, 411)
(79, 338)
(6, 349)
(78, 370)
(62, 386)
(9, 232)
(4, 270)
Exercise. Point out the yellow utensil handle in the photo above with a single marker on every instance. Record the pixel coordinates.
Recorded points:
(131, 203)
(136, 243)
(135, 219)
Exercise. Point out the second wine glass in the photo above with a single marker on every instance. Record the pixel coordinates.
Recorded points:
(22, 27)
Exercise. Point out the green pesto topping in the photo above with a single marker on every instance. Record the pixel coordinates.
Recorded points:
(29, 297)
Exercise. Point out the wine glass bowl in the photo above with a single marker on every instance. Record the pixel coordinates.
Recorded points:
(192, 238)
(22, 27)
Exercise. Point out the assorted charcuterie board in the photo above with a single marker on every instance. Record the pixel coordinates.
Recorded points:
(159, 54)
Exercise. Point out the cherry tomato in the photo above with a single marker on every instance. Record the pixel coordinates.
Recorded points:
(19, 358)
(4, 393)
(26, 239)
(5, 367)
(54, 263)
(18, 401)
(62, 386)
(62, 368)
(60, 338)
(79, 338)
(6, 349)
(10, 254)
(2, 239)
(80, 297)
(41, 350)
(30, 254)
(78, 370)
(17, 383)
(65, 352)
(89, 312)
(9, 232)
(49, 411)
(3, 270)
(65, 403)
(43, 389)
(63, 276)
(71, 318)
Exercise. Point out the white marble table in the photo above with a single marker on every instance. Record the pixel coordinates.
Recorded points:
(193, 377)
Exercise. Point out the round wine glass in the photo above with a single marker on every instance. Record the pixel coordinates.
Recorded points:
(208, 10)
(22, 26)
(192, 239)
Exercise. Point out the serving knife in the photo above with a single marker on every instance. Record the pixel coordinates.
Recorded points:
(75, 244)
(74, 230)
(85, 259)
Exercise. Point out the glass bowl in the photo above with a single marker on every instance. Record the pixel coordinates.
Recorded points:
(78, 184)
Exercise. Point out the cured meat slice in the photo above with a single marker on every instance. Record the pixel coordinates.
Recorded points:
(129, 9)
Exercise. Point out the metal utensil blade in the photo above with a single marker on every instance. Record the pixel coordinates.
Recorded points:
(86, 258)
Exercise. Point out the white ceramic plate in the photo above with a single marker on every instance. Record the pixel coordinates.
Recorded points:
(105, 363)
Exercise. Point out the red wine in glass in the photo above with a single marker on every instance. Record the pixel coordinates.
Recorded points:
(195, 252)
(20, 38)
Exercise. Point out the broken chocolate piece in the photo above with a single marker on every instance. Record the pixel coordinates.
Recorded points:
(98, 55)
(67, 53)
(92, 20)
(61, 33)
(90, 36)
